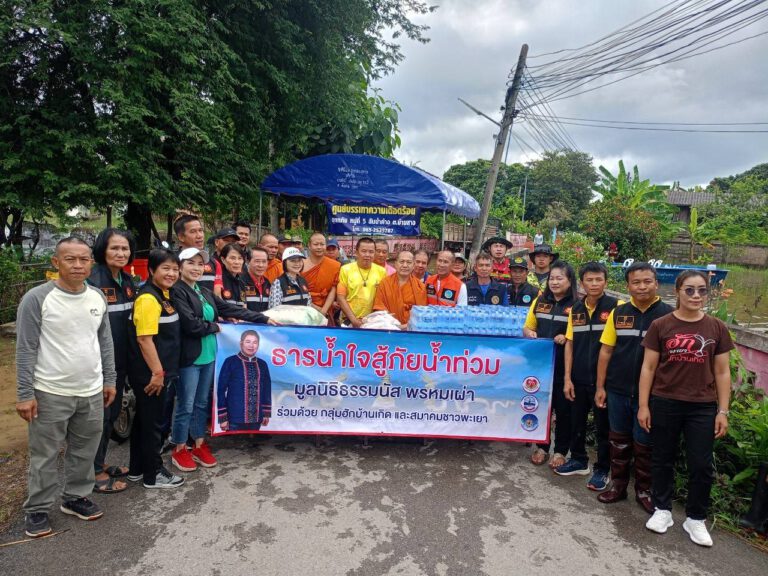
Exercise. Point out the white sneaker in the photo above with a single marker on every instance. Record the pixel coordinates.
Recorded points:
(660, 521)
(697, 530)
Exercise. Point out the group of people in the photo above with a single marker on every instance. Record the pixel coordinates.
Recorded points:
(647, 371)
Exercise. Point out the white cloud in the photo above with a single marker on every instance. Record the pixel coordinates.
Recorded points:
(475, 44)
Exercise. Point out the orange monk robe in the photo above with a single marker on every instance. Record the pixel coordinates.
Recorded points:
(398, 300)
(274, 270)
(321, 279)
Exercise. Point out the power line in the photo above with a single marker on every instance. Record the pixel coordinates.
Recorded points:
(650, 129)
(525, 113)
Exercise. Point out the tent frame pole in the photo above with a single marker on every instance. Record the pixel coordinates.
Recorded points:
(261, 194)
(442, 236)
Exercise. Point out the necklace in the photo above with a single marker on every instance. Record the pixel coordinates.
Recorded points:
(364, 278)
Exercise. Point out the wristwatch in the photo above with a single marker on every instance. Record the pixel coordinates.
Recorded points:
(724, 412)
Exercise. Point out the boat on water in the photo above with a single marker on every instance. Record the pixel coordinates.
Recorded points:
(667, 273)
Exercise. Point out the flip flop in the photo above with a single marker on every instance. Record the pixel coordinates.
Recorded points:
(117, 471)
(108, 486)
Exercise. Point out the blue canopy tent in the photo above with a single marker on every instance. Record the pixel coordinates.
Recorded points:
(361, 179)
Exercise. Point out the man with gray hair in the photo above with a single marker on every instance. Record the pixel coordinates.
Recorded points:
(65, 370)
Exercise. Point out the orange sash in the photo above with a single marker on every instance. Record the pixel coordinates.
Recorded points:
(398, 300)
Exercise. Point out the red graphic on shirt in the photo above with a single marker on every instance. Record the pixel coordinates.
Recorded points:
(604, 315)
(687, 347)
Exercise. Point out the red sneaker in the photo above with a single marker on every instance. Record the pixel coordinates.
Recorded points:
(202, 455)
(182, 459)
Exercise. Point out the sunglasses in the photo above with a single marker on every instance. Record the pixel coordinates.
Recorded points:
(689, 291)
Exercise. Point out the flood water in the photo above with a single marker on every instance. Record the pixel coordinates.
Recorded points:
(749, 299)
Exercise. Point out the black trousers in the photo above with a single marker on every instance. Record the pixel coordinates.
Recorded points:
(562, 410)
(696, 422)
(580, 407)
(147, 432)
(111, 413)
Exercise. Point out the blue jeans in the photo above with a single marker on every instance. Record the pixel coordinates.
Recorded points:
(622, 418)
(190, 414)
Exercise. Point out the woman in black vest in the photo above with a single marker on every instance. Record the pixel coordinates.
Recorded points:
(198, 309)
(231, 286)
(548, 318)
(154, 366)
(291, 288)
(112, 251)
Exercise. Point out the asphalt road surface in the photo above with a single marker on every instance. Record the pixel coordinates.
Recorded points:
(284, 506)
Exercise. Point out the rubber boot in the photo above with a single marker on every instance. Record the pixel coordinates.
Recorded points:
(757, 517)
(621, 455)
(643, 477)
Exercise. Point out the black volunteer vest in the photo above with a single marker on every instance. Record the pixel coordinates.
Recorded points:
(119, 306)
(256, 297)
(295, 293)
(233, 288)
(522, 295)
(551, 320)
(494, 294)
(167, 340)
(631, 325)
(209, 272)
(587, 331)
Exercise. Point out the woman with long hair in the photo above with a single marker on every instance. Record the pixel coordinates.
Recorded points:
(685, 388)
(198, 310)
(548, 318)
(112, 251)
(231, 286)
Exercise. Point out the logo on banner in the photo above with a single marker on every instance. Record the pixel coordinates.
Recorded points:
(529, 422)
(531, 384)
(529, 403)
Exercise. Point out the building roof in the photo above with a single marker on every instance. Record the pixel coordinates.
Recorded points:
(688, 198)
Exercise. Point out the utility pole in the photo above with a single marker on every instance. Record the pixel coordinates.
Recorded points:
(506, 124)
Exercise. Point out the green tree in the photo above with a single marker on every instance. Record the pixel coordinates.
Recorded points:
(184, 103)
(473, 176)
(636, 193)
(740, 214)
(564, 176)
(635, 231)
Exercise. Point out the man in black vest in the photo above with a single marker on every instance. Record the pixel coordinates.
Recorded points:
(618, 376)
(586, 323)
(519, 291)
(481, 288)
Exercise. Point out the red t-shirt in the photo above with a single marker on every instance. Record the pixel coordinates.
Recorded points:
(687, 351)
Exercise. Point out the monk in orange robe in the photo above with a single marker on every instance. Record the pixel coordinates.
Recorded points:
(400, 292)
(321, 274)
(274, 266)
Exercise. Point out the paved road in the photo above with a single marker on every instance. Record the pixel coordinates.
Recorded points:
(283, 506)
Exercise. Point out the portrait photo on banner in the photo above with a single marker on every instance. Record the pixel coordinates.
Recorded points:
(319, 380)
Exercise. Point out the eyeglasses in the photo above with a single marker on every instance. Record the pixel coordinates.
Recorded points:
(689, 291)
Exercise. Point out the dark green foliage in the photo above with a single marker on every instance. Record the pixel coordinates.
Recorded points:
(183, 103)
(636, 233)
(561, 176)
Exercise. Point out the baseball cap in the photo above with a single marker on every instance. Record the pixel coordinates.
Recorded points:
(292, 252)
(332, 242)
(284, 240)
(189, 253)
(226, 233)
(459, 256)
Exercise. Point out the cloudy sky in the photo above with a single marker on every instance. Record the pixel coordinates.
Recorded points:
(475, 43)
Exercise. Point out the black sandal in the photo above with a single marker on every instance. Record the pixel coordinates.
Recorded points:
(107, 486)
(117, 471)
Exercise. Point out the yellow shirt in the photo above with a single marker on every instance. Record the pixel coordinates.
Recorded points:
(146, 314)
(359, 286)
(609, 334)
(569, 330)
